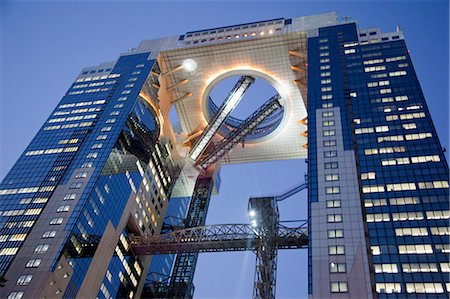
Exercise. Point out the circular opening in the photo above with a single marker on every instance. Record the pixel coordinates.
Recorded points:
(256, 95)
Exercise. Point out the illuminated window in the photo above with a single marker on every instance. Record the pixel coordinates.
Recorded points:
(432, 215)
(388, 288)
(422, 288)
(56, 221)
(368, 176)
(62, 209)
(338, 268)
(331, 177)
(329, 154)
(334, 218)
(375, 202)
(33, 263)
(422, 267)
(377, 217)
(335, 233)
(9, 251)
(328, 114)
(70, 196)
(407, 216)
(445, 267)
(332, 190)
(339, 287)
(373, 189)
(386, 268)
(76, 185)
(49, 234)
(329, 133)
(15, 295)
(415, 249)
(23, 280)
(440, 231)
(433, 185)
(331, 165)
(327, 143)
(403, 201)
(336, 250)
(411, 231)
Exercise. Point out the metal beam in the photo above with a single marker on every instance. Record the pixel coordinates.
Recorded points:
(237, 135)
(217, 238)
(233, 98)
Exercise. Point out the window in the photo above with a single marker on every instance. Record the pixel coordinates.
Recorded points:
(70, 196)
(15, 295)
(336, 250)
(331, 165)
(335, 233)
(411, 231)
(339, 287)
(331, 177)
(75, 185)
(23, 280)
(49, 234)
(328, 123)
(81, 175)
(415, 249)
(422, 288)
(333, 218)
(336, 203)
(86, 165)
(92, 156)
(386, 268)
(62, 209)
(329, 154)
(388, 288)
(377, 217)
(328, 114)
(327, 143)
(56, 221)
(33, 263)
(97, 145)
(338, 268)
(421, 267)
(332, 190)
(329, 133)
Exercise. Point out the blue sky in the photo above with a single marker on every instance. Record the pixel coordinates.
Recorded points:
(44, 45)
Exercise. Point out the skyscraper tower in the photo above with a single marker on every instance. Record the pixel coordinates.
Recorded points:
(108, 165)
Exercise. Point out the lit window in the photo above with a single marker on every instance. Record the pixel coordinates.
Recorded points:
(70, 196)
(404, 201)
(329, 133)
(415, 249)
(56, 221)
(422, 267)
(15, 295)
(76, 185)
(328, 123)
(368, 176)
(376, 250)
(338, 268)
(422, 288)
(335, 233)
(334, 218)
(331, 165)
(386, 268)
(92, 156)
(332, 190)
(433, 185)
(375, 202)
(81, 175)
(49, 234)
(62, 209)
(23, 280)
(373, 189)
(331, 177)
(336, 250)
(329, 143)
(440, 231)
(433, 215)
(329, 154)
(339, 287)
(407, 216)
(33, 263)
(411, 231)
(445, 267)
(380, 217)
(388, 288)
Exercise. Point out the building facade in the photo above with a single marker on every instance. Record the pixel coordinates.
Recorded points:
(108, 165)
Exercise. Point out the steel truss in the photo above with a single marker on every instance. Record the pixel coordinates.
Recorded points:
(238, 134)
(181, 282)
(218, 238)
(231, 101)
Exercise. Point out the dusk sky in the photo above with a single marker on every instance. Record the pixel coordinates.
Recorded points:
(45, 44)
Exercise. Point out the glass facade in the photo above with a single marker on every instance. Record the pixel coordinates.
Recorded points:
(369, 81)
(107, 166)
